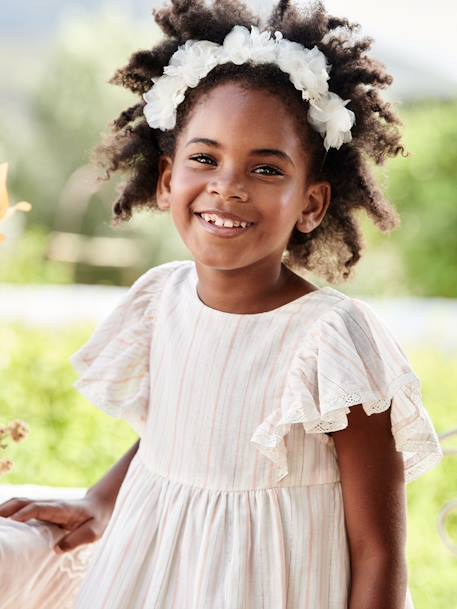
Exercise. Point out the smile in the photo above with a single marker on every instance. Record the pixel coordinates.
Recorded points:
(222, 231)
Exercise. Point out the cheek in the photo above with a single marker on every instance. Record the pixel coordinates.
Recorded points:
(186, 184)
(281, 205)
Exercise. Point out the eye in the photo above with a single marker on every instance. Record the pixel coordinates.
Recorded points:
(275, 171)
(197, 158)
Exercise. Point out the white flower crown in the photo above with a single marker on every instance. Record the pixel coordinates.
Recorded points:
(307, 69)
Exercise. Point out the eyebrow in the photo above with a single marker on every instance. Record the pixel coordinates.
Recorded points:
(280, 154)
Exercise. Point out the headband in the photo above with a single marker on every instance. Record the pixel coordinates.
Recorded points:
(307, 69)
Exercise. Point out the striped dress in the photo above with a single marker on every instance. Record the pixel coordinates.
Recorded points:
(234, 500)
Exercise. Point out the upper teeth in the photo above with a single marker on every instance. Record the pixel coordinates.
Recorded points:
(223, 221)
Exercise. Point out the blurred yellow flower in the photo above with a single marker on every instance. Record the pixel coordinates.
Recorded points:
(5, 209)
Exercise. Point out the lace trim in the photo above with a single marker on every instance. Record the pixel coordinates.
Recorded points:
(415, 436)
(337, 409)
(74, 564)
(71, 569)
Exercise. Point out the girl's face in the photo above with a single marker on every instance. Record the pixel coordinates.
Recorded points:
(240, 154)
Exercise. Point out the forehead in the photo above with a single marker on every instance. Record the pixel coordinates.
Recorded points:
(253, 118)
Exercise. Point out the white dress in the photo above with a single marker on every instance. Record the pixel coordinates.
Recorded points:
(233, 500)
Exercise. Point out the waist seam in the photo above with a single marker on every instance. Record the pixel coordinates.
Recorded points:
(155, 474)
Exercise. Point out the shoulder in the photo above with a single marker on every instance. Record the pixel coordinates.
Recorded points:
(348, 308)
(130, 324)
(157, 274)
(350, 346)
(354, 319)
(148, 287)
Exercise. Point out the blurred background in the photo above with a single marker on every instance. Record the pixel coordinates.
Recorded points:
(63, 268)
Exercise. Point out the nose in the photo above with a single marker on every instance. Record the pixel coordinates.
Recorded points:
(227, 187)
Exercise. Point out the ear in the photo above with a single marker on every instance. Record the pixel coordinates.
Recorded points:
(317, 200)
(163, 182)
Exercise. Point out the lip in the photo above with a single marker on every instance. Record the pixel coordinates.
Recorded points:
(222, 231)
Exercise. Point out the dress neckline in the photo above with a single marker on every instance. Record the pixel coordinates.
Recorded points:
(292, 304)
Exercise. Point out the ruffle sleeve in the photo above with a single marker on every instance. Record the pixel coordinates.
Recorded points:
(114, 363)
(349, 357)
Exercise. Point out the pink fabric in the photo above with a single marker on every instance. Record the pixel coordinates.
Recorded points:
(33, 576)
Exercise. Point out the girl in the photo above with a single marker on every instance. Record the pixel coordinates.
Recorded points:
(279, 421)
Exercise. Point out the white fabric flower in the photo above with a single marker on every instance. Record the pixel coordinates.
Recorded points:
(331, 118)
(162, 100)
(193, 61)
(308, 71)
(307, 68)
(241, 46)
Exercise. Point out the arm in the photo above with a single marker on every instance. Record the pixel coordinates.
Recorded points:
(374, 498)
(85, 519)
(107, 488)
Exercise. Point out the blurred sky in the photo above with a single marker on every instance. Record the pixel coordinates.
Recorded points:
(415, 39)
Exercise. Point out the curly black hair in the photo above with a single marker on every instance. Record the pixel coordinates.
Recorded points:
(334, 247)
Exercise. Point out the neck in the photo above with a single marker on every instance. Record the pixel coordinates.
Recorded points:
(252, 289)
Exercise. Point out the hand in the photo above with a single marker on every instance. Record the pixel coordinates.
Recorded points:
(85, 519)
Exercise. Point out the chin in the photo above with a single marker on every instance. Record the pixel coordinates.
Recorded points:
(217, 260)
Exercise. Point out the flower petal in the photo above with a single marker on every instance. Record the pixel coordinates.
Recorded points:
(330, 117)
(162, 100)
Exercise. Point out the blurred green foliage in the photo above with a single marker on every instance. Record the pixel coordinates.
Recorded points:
(420, 257)
(424, 189)
(69, 104)
(72, 443)
(427, 194)
(29, 263)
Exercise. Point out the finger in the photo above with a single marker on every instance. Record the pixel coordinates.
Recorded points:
(54, 513)
(86, 533)
(13, 505)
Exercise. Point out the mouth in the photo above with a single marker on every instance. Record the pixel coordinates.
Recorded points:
(222, 231)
